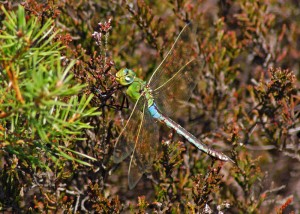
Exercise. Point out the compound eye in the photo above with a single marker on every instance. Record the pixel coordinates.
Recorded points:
(127, 79)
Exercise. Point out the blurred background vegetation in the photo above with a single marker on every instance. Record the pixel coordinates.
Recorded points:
(61, 110)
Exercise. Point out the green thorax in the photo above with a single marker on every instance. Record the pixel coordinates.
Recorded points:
(136, 86)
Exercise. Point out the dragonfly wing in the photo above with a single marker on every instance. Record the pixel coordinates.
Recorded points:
(175, 78)
(126, 139)
(145, 148)
(171, 95)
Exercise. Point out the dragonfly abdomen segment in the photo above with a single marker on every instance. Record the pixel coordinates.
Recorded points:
(155, 113)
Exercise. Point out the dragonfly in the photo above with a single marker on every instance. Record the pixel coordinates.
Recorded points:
(156, 100)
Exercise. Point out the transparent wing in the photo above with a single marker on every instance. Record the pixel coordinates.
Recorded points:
(145, 147)
(175, 78)
(172, 94)
(126, 139)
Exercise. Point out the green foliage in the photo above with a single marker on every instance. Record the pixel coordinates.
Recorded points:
(33, 85)
(41, 114)
(246, 104)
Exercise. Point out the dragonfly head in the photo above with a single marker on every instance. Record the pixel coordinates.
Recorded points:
(125, 76)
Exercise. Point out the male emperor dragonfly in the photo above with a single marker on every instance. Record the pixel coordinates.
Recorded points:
(172, 81)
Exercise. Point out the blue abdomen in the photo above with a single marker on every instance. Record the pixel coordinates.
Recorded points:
(154, 112)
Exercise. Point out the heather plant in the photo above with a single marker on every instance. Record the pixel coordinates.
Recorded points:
(62, 110)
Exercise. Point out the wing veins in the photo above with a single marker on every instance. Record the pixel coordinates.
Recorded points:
(136, 141)
(130, 117)
(168, 54)
(170, 79)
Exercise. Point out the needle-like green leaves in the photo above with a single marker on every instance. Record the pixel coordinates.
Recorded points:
(41, 115)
